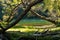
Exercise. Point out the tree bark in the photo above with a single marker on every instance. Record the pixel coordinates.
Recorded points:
(22, 15)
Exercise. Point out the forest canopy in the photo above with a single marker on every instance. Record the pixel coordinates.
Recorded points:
(48, 10)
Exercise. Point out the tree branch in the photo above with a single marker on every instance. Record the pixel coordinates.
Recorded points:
(43, 17)
(39, 15)
(13, 12)
(22, 15)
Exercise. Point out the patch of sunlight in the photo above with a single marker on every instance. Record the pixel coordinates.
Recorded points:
(59, 20)
(40, 30)
(27, 29)
(22, 29)
(57, 28)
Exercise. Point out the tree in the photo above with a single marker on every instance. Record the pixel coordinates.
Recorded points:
(51, 11)
(11, 24)
(46, 12)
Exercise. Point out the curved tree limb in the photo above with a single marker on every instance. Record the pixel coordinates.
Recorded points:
(43, 17)
(24, 6)
(40, 16)
(22, 15)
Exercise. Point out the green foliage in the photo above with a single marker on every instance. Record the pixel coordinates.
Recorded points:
(3, 23)
(8, 5)
(52, 5)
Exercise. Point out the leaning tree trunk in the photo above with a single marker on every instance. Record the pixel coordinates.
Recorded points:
(3, 30)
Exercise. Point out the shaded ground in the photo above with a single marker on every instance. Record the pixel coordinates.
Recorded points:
(55, 35)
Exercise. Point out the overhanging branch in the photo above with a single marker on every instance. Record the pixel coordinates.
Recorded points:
(39, 15)
(22, 15)
(43, 17)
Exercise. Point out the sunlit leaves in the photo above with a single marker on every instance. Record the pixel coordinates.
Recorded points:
(3, 23)
(52, 6)
(7, 6)
(16, 1)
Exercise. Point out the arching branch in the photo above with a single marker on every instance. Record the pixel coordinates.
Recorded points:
(40, 16)
(43, 17)
(22, 15)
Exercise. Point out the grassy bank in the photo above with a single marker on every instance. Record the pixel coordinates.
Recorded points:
(25, 27)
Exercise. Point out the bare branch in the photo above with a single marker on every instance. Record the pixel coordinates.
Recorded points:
(43, 17)
(39, 15)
